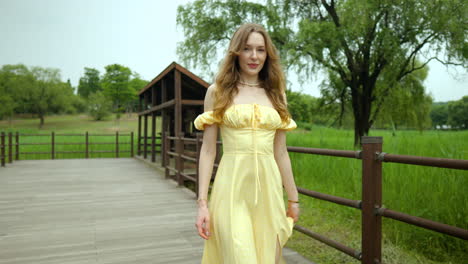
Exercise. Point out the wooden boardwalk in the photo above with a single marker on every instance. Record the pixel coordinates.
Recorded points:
(97, 211)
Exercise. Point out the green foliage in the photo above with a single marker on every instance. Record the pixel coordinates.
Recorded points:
(453, 114)
(439, 114)
(99, 107)
(35, 90)
(7, 104)
(136, 84)
(406, 105)
(76, 105)
(359, 41)
(301, 106)
(89, 83)
(458, 113)
(116, 85)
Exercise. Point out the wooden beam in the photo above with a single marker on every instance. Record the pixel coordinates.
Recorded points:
(192, 102)
(158, 107)
(168, 69)
(178, 102)
(159, 77)
(191, 75)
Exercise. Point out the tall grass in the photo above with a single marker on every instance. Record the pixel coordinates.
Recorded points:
(433, 193)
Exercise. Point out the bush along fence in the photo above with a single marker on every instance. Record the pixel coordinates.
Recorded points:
(51, 144)
(183, 150)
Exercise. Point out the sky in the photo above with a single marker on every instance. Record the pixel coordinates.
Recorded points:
(140, 34)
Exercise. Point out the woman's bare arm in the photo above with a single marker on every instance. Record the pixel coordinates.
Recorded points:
(284, 165)
(208, 149)
(205, 169)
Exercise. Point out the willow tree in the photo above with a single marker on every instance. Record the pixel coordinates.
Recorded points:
(357, 40)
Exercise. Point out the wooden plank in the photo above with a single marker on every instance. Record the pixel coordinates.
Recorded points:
(167, 104)
(94, 211)
(97, 211)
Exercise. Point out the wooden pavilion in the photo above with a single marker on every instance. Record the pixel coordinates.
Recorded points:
(176, 95)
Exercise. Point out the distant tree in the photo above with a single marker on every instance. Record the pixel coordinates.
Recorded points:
(70, 86)
(300, 105)
(358, 40)
(136, 84)
(458, 113)
(7, 101)
(34, 90)
(89, 83)
(7, 105)
(407, 104)
(99, 107)
(49, 93)
(439, 114)
(335, 101)
(15, 81)
(116, 85)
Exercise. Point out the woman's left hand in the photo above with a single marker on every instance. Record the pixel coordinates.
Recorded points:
(293, 211)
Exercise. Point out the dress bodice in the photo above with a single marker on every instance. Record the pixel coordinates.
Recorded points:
(247, 128)
(253, 116)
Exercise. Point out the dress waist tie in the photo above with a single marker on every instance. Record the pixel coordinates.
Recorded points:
(255, 113)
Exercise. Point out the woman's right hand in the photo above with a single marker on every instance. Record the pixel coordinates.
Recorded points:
(203, 220)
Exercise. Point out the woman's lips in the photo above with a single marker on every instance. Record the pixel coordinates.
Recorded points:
(252, 65)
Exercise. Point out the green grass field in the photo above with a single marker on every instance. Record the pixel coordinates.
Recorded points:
(78, 124)
(432, 193)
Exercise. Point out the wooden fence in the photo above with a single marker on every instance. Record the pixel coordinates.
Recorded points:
(370, 205)
(10, 149)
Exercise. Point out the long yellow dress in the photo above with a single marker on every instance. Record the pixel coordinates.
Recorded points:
(247, 210)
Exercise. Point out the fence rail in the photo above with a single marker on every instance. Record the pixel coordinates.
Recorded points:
(370, 204)
(10, 149)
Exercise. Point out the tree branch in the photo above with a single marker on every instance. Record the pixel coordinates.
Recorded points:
(403, 71)
(332, 12)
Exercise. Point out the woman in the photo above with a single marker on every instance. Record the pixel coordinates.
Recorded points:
(246, 222)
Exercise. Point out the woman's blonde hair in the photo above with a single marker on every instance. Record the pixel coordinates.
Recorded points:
(271, 75)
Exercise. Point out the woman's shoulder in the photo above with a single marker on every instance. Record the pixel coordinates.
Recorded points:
(209, 98)
(211, 89)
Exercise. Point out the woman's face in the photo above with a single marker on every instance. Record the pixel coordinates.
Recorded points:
(253, 55)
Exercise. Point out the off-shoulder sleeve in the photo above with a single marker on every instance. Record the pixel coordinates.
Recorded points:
(204, 119)
(288, 125)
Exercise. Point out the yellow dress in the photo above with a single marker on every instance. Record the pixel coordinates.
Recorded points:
(247, 210)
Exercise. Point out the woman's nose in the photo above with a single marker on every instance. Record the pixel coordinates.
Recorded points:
(254, 54)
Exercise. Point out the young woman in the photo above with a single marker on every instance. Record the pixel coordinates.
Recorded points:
(246, 221)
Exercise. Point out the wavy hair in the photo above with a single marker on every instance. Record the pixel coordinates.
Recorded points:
(271, 76)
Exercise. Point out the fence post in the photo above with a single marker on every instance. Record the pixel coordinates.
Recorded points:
(197, 175)
(131, 144)
(163, 148)
(179, 161)
(116, 144)
(371, 200)
(153, 137)
(145, 140)
(167, 161)
(87, 145)
(10, 147)
(53, 146)
(17, 145)
(2, 146)
(139, 136)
